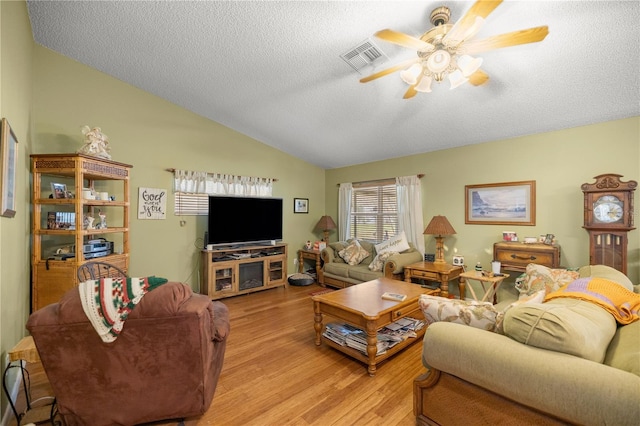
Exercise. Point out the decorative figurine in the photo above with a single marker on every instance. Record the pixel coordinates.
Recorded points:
(95, 143)
(88, 222)
(103, 220)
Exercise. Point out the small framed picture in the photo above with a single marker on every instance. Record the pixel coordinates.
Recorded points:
(301, 205)
(59, 190)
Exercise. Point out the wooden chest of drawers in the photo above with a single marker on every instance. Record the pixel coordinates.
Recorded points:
(515, 256)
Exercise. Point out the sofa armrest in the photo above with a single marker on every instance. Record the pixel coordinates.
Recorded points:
(556, 383)
(395, 264)
(327, 254)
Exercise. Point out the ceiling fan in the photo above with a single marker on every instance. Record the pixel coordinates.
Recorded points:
(445, 50)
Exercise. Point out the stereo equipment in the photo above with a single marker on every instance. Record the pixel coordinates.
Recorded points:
(97, 248)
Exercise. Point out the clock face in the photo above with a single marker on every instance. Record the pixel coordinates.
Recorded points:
(608, 209)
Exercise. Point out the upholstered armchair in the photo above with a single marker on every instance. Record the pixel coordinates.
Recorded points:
(164, 364)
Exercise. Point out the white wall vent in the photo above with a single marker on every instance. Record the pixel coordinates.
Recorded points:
(363, 55)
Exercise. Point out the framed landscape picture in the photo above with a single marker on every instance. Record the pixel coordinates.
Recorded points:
(8, 164)
(501, 203)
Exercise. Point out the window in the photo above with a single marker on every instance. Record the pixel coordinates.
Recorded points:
(187, 204)
(374, 211)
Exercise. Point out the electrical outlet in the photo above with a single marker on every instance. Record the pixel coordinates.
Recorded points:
(295, 262)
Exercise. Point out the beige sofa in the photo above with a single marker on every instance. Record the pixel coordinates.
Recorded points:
(476, 376)
(337, 273)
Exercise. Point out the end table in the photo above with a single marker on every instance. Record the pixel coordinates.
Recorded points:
(26, 350)
(440, 272)
(311, 255)
(493, 281)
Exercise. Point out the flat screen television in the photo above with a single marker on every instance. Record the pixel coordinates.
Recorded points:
(241, 220)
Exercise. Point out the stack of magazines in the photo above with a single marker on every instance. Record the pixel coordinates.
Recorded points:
(348, 335)
(359, 341)
(338, 332)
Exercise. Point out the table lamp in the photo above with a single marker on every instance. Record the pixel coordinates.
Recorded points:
(326, 224)
(439, 227)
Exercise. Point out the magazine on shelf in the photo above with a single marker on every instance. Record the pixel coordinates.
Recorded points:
(348, 335)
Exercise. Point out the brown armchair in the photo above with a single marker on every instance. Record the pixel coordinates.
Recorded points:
(165, 363)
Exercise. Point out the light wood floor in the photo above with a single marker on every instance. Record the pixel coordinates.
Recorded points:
(274, 374)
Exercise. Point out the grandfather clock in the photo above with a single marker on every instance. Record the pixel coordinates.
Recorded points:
(608, 217)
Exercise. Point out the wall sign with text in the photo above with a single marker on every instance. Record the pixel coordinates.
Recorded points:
(152, 203)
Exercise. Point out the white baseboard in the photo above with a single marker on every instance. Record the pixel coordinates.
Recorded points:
(13, 391)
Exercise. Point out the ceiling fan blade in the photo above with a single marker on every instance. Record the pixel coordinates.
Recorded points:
(481, 8)
(532, 35)
(397, 67)
(410, 93)
(478, 78)
(404, 40)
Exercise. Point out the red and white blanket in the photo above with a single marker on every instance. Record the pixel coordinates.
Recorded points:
(107, 302)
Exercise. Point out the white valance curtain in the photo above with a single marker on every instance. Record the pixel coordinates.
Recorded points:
(213, 183)
(192, 189)
(409, 192)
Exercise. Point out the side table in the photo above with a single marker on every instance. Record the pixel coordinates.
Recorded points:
(311, 255)
(26, 350)
(440, 272)
(494, 283)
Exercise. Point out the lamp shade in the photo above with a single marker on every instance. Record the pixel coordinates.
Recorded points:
(439, 225)
(326, 224)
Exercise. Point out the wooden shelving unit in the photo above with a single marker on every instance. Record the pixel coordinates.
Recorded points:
(231, 271)
(51, 277)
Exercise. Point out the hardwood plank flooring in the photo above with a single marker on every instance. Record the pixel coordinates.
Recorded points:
(274, 374)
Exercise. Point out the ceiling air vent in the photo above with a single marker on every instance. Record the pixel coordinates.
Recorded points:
(363, 55)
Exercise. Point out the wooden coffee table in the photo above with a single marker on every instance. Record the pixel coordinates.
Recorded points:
(362, 305)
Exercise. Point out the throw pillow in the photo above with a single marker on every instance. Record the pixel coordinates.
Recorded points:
(337, 248)
(539, 277)
(397, 243)
(468, 312)
(353, 253)
(570, 326)
(378, 262)
(537, 297)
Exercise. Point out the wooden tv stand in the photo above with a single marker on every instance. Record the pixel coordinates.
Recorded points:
(234, 270)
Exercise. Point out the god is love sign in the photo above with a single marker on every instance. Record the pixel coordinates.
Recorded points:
(152, 203)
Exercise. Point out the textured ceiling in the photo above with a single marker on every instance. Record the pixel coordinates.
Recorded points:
(272, 70)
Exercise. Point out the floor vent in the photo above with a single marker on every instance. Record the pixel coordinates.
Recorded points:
(363, 55)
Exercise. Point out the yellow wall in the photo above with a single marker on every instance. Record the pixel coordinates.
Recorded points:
(16, 46)
(558, 161)
(152, 134)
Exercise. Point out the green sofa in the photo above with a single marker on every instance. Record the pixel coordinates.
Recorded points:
(476, 376)
(337, 273)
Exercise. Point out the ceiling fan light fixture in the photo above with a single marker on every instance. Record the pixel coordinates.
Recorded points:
(411, 74)
(457, 79)
(425, 84)
(439, 61)
(468, 64)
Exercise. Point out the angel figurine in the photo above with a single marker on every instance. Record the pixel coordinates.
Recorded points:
(96, 143)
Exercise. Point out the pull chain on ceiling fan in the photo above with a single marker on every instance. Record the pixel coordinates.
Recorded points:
(445, 50)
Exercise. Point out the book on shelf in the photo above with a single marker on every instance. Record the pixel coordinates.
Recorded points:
(396, 297)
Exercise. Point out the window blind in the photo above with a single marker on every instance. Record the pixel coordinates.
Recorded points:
(374, 211)
(187, 204)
